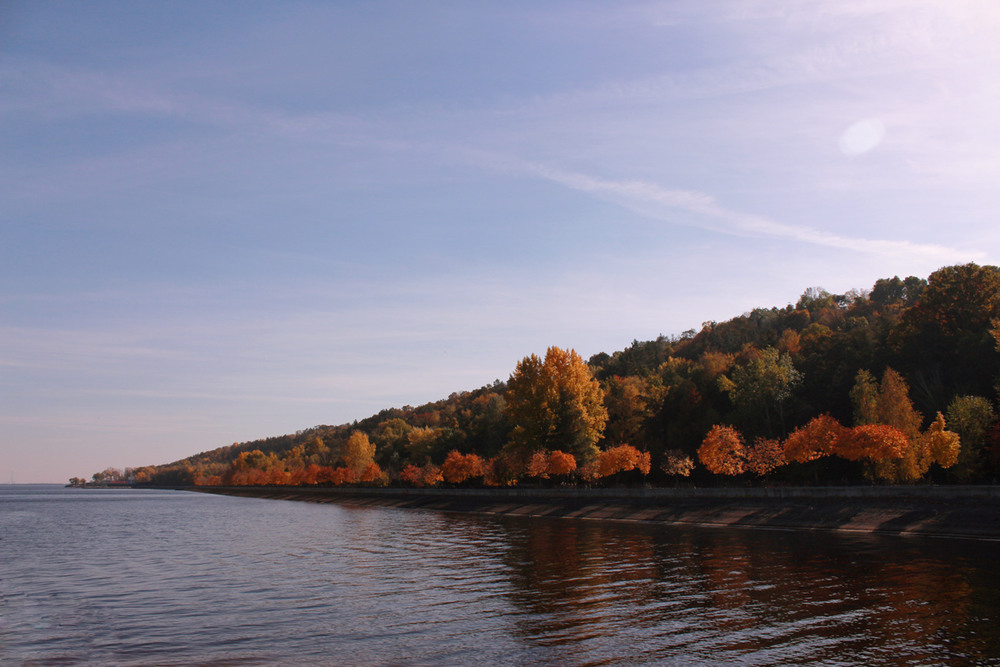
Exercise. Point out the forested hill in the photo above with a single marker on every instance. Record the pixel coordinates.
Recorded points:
(837, 387)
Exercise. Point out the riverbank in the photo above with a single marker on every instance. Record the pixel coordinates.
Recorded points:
(957, 512)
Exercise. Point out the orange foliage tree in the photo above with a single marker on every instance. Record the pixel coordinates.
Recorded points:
(458, 468)
(875, 442)
(765, 455)
(723, 451)
(889, 404)
(819, 437)
(426, 475)
(561, 463)
(538, 465)
(622, 458)
(546, 464)
(254, 468)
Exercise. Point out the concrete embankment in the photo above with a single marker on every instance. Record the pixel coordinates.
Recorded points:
(949, 511)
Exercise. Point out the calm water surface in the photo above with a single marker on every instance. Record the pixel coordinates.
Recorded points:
(129, 577)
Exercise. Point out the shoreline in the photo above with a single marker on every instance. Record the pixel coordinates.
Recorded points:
(971, 512)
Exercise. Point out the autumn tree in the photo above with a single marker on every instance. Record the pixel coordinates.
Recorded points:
(891, 406)
(723, 451)
(458, 467)
(622, 458)
(538, 465)
(358, 453)
(252, 468)
(560, 463)
(426, 475)
(554, 404)
(821, 436)
(894, 406)
(550, 464)
(765, 455)
(944, 444)
(881, 444)
(676, 463)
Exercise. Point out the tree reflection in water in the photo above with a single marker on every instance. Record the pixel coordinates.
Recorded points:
(599, 593)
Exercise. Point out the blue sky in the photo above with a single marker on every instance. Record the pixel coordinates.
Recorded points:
(229, 220)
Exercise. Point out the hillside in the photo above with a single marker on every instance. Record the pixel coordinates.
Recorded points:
(895, 355)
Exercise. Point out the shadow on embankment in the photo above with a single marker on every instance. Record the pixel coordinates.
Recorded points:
(964, 512)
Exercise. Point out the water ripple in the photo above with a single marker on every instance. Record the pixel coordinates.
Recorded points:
(166, 578)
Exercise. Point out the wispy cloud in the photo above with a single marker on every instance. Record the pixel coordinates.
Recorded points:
(663, 203)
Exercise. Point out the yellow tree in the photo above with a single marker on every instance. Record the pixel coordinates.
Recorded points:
(893, 407)
(944, 445)
(358, 453)
(554, 404)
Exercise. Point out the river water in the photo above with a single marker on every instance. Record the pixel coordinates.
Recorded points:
(138, 577)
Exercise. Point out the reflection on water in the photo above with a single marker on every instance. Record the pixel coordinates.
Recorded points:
(757, 597)
(126, 577)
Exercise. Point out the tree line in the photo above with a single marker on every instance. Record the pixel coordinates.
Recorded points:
(895, 384)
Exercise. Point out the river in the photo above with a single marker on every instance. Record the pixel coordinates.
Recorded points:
(142, 577)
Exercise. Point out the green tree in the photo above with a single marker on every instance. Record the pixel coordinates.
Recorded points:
(555, 404)
(488, 427)
(391, 438)
(970, 417)
(892, 291)
(864, 399)
(760, 386)
(316, 451)
(945, 337)
(631, 401)
(423, 443)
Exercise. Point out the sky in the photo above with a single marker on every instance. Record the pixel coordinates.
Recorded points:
(223, 221)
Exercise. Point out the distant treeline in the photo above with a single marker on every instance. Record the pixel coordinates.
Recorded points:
(894, 384)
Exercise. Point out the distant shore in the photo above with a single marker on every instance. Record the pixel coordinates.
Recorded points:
(971, 512)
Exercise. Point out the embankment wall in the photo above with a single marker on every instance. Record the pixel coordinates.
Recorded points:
(938, 511)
